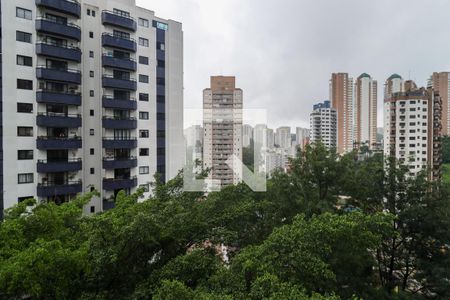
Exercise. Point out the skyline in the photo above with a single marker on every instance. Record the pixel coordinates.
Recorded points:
(295, 65)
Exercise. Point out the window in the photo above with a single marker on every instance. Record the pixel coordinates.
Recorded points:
(144, 152)
(142, 42)
(92, 209)
(91, 93)
(25, 108)
(24, 13)
(143, 22)
(160, 25)
(92, 171)
(88, 12)
(93, 13)
(160, 116)
(144, 170)
(24, 61)
(23, 37)
(143, 115)
(91, 112)
(25, 178)
(121, 13)
(91, 34)
(91, 73)
(161, 63)
(24, 131)
(121, 34)
(91, 131)
(21, 199)
(143, 60)
(91, 54)
(161, 81)
(92, 151)
(143, 97)
(92, 188)
(143, 133)
(24, 154)
(24, 84)
(160, 46)
(143, 78)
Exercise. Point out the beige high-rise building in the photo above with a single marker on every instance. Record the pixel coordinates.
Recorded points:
(341, 95)
(365, 111)
(222, 123)
(440, 83)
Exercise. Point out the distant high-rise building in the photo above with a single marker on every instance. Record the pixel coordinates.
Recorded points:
(283, 137)
(440, 82)
(324, 125)
(365, 111)
(260, 135)
(222, 122)
(341, 94)
(412, 121)
(301, 136)
(394, 84)
(194, 141)
(270, 138)
(247, 135)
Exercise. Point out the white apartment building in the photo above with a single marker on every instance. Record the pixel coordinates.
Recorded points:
(194, 142)
(247, 135)
(283, 137)
(324, 125)
(92, 98)
(222, 124)
(365, 111)
(301, 136)
(412, 126)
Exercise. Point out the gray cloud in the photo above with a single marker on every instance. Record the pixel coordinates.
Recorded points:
(283, 52)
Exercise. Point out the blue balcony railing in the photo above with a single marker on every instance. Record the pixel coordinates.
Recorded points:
(119, 143)
(58, 120)
(58, 143)
(119, 123)
(111, 102)
(119, 162)
(111, 184)
(119, 83)
(67, 30)
(56, 97)
(52, 166)
(109, 40)
(70, 7)
(110, 18)
(58, 51)
(62, 75)
(119, 63)
(49, 189)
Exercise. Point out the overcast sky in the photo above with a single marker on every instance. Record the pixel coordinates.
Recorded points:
(283, 52)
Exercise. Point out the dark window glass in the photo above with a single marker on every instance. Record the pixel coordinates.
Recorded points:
(24, 60)
(143, 133)
(23, 37)
(143, 60)
(24, 154)
(24, 107)
(143, 78)
(24, 13)
(143, 97)
(24, 131)
(24, 84)
(25, 178)
(144, 152)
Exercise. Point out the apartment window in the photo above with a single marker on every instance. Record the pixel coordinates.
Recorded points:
(92, 151)
(142, 42)
(160, 46)
(143, 115)
(144, 170)
(143, 60)
(160, 25)
(143, 97)
(161, 63)
(91, 132)
(91, 34)
(25, 178)
(144, 133)
(160, 116)
(24, 131)
(91, 93)
(91, 112)
(24, 61)
(143, 22)
(160, 99)
(25, 108)
(92, 209)
(143, 78)
(93, 13)
(144, 152)
(145, 187)
(121, 34)
(21, 199)
(23, 84)
(25, 154)
(91, 73)
(23, 37)
(161, 81)
(91, 54)
(24, 13)
(92, 171)
(121, 13)
(88, 12)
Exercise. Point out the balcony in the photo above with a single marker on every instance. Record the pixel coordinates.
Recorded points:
(109, 40)
(112, 184)
(119, 123)
(49, 189)
(110, 102)
(56, 97)
(69, 7)
(51, 166)
(68, 75)
(119, 162)
(110, 18)
(119, 63)
(119, 143)
(58, 143)
(58, 120)
(119, 83)
(58, 51)
(67, 30)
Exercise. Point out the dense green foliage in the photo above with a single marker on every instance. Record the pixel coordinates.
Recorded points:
(333, 228)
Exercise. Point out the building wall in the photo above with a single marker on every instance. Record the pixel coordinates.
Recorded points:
(440, 83)
(365, 110)
(341, 95)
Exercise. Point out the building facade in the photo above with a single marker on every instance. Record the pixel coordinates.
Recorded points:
(440, 82)
(247, 135)
(222, 123)
(301, 137)
(341, 95)
(412, 122)
(365, 111)
(283, 137)
(92, 98)
(324, 125)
